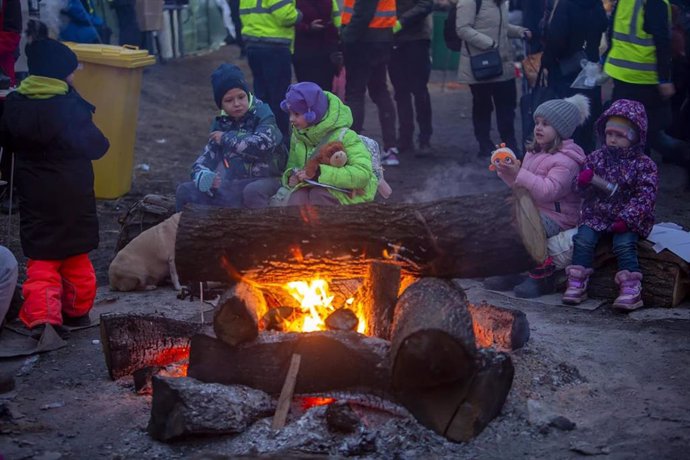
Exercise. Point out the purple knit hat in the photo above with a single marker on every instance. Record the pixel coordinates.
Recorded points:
(308, 99)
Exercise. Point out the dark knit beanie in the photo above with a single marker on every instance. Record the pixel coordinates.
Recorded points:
(225, 78)
(308, 99)
(50, 58)
(564, 114)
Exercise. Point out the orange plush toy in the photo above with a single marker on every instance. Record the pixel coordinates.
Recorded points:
(332, 153)
(502, 155)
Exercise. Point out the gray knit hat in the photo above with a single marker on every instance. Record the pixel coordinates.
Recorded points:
(564, 114)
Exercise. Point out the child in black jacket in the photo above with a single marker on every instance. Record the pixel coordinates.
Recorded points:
(49, 128)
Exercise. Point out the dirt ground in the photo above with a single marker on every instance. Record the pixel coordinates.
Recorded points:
(622, 381)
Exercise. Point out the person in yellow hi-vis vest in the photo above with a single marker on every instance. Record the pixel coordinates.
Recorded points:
(268, 33)
(367, 35)
(639, 61)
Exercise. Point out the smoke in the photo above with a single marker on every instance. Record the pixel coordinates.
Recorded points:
(447, 181)
(51, 17)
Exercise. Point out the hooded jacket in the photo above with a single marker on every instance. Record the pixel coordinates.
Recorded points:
(251, 147)
(633, 171)
(49, 128)
(357, 174)
(548, 178)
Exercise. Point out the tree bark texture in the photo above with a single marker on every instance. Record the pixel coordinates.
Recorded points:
(432, 337)
(463, 237)
(330, 361)
(380, 294)
(665, 276)
(132, 341)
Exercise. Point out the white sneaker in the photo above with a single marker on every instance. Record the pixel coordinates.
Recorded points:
(390, 157)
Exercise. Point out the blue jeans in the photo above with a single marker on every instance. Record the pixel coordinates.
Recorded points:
(272, 71)
(241, 193)
(624, 247)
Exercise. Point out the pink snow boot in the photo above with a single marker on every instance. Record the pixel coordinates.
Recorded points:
(576, 290)
(630, 291)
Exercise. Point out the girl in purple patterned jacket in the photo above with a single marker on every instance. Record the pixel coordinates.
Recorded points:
(626, 211)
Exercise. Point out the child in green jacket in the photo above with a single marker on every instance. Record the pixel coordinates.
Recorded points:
(319, 117)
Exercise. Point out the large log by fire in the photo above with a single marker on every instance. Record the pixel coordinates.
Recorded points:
(131, 341)
(437, 372)
(329, 361)
(432, 338)
(463, 237)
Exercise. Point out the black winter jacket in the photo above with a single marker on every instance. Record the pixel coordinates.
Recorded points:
(574, 24)
(54, 141)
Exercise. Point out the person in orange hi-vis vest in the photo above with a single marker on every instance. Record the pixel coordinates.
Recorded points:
(367, 36)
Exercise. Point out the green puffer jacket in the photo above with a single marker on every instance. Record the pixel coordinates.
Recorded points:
(357, 174)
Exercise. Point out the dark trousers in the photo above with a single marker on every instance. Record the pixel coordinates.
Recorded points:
(584, 135)
(624, 247)
(502, 95)
(240, 193)
(365, 64)
(272, 71)
(658, 117)
(409, 71)
(315, 67)
(129, 33)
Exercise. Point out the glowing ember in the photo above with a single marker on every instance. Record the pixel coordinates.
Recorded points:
(316, 305)
(307, 402)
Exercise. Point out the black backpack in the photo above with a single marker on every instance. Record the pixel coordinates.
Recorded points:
(450, 36)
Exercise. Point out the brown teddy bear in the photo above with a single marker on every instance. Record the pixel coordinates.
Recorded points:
(332, 153)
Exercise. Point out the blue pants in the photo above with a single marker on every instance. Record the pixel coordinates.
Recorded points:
(242, 193)
(624, 247)
(272, 71)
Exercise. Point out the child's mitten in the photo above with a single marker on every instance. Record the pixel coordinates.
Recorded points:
(585, 177)
(619, 226)
(203, 180)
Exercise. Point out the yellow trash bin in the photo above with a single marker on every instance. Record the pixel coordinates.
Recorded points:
(109, 77)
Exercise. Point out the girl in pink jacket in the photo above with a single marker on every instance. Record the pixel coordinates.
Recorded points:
(551, 164)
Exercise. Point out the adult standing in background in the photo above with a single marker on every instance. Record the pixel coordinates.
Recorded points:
(128, 28)
(268, 31)
(83, 24)
(409, 72)
(235, 15)
(639, 61)
(367, 37)
(316, 42)
(481, 31)
(574, 26)
(10, 34)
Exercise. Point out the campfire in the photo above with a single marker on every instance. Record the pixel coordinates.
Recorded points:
(316, 310)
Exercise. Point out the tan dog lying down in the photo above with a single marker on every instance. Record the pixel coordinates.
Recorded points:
(147, 260)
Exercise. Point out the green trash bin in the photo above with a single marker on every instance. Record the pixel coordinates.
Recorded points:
(441, 57)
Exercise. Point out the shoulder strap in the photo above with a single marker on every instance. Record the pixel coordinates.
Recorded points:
(553, 10)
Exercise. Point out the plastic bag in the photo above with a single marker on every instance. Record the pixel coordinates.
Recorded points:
(560, 248)
(590, 76)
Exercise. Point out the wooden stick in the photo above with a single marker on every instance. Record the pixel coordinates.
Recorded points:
(286, 393)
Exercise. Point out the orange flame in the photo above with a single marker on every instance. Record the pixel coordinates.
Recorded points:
(316, 304)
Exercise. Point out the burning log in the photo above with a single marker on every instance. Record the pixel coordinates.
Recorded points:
(380, 294)
(330, 361)
(182, 407)
(131, 341)
(432, 338)
(665, 282)
(437, 372)
(502, 328)
(462, 237)
(237, 318)
(342, 320)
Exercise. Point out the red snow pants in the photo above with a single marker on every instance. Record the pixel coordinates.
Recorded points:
(57, 287)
